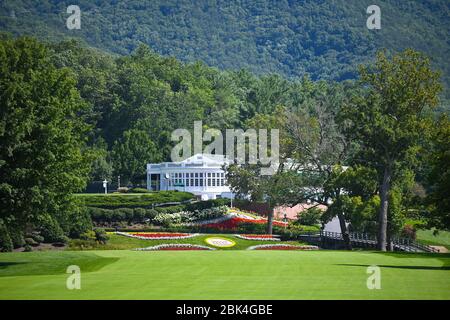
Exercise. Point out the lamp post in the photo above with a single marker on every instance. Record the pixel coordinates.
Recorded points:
(105, 185)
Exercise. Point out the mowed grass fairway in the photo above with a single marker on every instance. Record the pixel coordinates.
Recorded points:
(239, 274)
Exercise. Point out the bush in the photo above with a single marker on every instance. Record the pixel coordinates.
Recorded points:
(409, 232)
(122, 190)
(138, 214)
(117, 215)
(6, 244)
(144, 200)
(170, 209)
(78, 244)
(51, 230)
(31, 242)
(252, 228)
(139, 190)
(309, 217)
(79, 222)
(167, 219)
(36, 237)
(100, 235)
(89, 235)
(16, 237)
(201, 205)
(27, 248)
(150, 214)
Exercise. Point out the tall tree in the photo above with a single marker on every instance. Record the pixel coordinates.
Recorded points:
(43, 154)
(439, 177)
(131, 154)
(388, 119)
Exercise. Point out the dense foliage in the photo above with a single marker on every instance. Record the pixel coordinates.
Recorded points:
(326, 39)
(43, 133)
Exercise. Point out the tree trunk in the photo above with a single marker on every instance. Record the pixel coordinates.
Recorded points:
(270, 220)
(344, 232)
(383, 213)
(390, 245)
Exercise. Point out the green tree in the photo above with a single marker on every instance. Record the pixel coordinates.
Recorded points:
(389, 119)
(43, 154)
(131, 153)
(438, 199)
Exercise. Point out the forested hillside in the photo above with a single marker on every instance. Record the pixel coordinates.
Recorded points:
(326, 39)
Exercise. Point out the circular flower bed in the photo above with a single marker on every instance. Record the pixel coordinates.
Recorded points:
(220, 242)
(175, 246)
(157, 235)
(280, 246)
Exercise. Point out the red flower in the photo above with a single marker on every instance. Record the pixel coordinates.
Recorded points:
(234, 222)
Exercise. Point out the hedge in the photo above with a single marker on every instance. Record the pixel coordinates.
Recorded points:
(144, 200)
(141, 214)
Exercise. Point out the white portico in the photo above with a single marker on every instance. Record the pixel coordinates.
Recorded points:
(201, 174)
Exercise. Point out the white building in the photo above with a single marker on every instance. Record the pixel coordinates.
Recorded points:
(201, 174)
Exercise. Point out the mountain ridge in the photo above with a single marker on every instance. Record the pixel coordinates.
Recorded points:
(325, 39)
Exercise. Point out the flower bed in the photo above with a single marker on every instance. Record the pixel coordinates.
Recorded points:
(232, 220)
(157, 235)
(260, 237)
(175, 246)
(280, 246)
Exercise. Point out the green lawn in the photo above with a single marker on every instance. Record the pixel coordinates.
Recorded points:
(238, 274)
(441, 239)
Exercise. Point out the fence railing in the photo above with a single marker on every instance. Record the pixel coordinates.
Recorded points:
(368, 240)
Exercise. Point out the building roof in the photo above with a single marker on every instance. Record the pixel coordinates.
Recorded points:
(197, 160)
(206, 158)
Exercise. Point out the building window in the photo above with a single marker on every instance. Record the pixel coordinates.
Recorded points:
(209, 182)
(213, 182)
(221, 182)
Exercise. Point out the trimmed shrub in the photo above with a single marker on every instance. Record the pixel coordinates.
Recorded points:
(79, 222)
(150, 214)
(138, 214)
(201, 205)
(144, 200)
(139, 190)
(27, 248)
